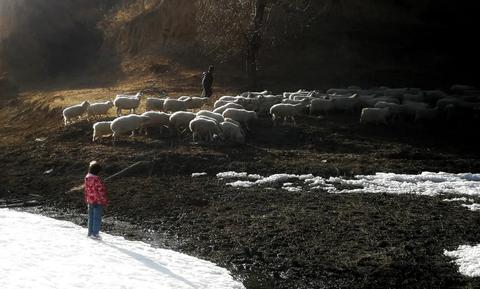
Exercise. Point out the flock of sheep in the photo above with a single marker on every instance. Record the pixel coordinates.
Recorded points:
(231, 114)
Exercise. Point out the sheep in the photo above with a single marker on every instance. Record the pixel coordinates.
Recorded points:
(197, 102)
(233, 132)
(130, 102)
(128, 123)
(218, 117)
(426, 114)
(321, 105)
(339, 91)
(228, 98)
(395, 92)
(222, 108)
(220, 103)
(254, 94)
(284, 110)
(395, 109)
(265, 102)
(227, 119)
(413, 97)
(97, 109)
(409, 108)
(240, 115)
(174, 105)
(157, 120)
(247, 103)
(204, 128)
(374, 115)
(101, 129)
(179, 120)
(154, 104)
(75, 111)
(346, 103)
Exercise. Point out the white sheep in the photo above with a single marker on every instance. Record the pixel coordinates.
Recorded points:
(157, 120)
(129, 102)
(227, 119)
(409, 108)
(101, 129)
(218, 117)
(265, 102)
(374, 115)
(197, 102)
(127, 124)
(247, 103)
(254, 94)
(174, 105)
(322, 105)
(232, 132)
(286, 110)
(221, 109)
(179, 120)
(220, 103)
(99, 109)
(75, 111)
(204, 128)
(241, 115)
(348, 104)
(154, 103)
(228, 98)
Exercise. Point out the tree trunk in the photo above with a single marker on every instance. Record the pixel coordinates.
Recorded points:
(254, 43)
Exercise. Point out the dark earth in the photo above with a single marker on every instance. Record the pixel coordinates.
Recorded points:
(267, 237)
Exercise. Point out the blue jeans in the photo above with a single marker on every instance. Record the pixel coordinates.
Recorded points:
(94, 219)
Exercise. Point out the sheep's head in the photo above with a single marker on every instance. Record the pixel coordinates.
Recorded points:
(110, 103)
(85, 104)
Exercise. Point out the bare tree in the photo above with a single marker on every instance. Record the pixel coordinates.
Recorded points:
(232, 28)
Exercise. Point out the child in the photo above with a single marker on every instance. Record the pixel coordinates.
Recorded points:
(96, 198)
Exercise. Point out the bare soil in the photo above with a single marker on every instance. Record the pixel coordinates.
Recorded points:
(267, 237)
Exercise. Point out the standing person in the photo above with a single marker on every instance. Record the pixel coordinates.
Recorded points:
(207, 81)
(96, 199)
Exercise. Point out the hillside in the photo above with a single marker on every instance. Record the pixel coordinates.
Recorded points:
(368, 43)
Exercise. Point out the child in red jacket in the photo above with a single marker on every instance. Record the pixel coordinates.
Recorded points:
(96, 199)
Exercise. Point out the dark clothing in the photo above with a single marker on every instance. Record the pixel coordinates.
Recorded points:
(207, 81)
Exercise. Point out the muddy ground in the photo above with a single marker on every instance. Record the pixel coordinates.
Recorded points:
(268, 237)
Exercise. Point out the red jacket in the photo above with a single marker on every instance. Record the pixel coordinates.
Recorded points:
(95, 190)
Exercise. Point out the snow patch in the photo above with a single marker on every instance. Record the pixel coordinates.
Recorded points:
(472, 207)
(467, 258)
(196, 175)
(40, 252)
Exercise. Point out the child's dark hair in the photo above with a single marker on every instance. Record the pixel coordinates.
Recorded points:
(94, 168)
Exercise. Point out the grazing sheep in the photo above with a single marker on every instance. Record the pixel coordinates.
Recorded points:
(374, 115)
(241, 115)
(254, 94)
(101, 129)
(222, 108)
(265, 102)
(75, 111)
(348, 104)
(204, 128)
(218, 117)
(128, 123)
(247, 103)
(130, 102)
(98, 109)
(233, 132)
(174, 105)
(322, 105)
(395, 92)
(157, 120)
(154, 104)
(228, 98)
(340, 91)
(179, 120)
(227, 119)
(395, 109)
(285, 110)
(413, 97)
(197, 102)
(409, 108)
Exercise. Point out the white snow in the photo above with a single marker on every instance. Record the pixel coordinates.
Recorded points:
(472, 207)
(462, 199)
(40, 252)
(196, 175)
(426, 183)
(467, 258)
